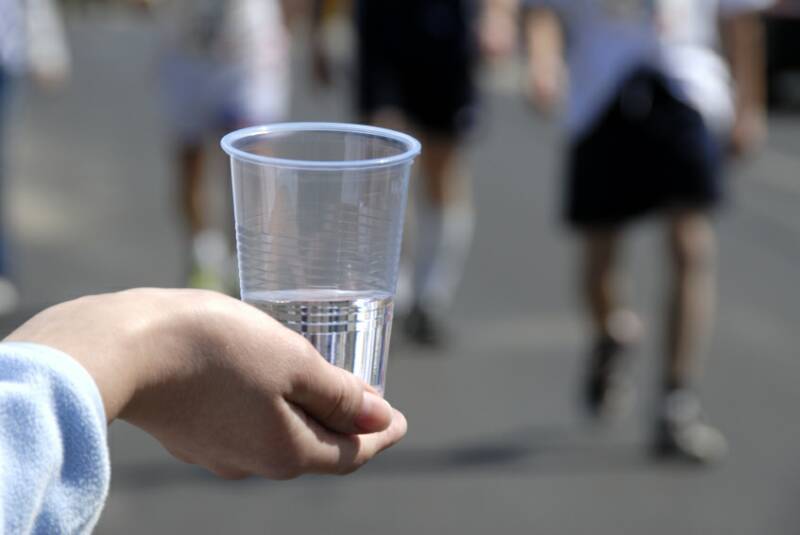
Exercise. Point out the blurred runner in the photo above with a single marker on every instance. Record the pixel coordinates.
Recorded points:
(225, 65)
(416, 61)
(32, 42)
(649, 114)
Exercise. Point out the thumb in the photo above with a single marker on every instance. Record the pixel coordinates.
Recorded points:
(337, 399)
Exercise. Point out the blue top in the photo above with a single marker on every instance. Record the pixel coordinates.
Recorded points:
(54, 466)
(608, 39)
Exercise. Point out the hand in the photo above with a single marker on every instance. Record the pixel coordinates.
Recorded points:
(546, 73)
(51, 79)
(498, 32)
(544, 88)
(219, 383)
(749, 132)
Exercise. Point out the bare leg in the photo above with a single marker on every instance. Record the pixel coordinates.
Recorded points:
(191, 187)
(445, 220)
(209, 247)
(443, 217)
(387, 118)
(690, 306)
(600, 283)
(393, 119)
(439, 232)
(439, 167)
(607, 391)
(680, 430)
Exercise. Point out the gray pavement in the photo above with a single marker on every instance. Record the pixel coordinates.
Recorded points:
(495, 443)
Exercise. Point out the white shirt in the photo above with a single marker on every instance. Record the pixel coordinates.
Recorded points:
(243, 45)
(230, 31)
(606, 39)
(32, 37)
(12, 35)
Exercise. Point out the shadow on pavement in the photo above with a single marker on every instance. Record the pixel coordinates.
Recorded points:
(526, 453)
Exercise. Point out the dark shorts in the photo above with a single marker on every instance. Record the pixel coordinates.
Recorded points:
(418, 56)
(648, 151)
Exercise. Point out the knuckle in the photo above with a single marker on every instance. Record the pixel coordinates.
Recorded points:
(289, 465)
(352, 457)
(352, 465)
(306, 351)
(339, 402)
(344, 401)
(300, 462)
(304, 360)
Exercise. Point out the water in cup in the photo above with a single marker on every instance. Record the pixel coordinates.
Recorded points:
(350, 329)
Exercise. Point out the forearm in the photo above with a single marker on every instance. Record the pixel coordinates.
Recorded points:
(115, 356)
(544, 40)
(743, 42)
(506, 7)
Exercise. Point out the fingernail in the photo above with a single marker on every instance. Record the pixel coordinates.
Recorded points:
(375, 414)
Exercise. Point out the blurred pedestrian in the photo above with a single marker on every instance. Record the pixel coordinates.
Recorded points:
(217, 382)
(649, 115)
(32, 43)
(225, 65)
(416, 70)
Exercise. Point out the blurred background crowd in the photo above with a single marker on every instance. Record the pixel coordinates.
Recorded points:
(547, 129)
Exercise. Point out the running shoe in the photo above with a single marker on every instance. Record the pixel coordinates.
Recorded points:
(608, 392)
(421, 327)
(682, 434)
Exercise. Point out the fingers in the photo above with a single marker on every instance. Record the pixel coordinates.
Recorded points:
(498, 31)
(749, 132)
(349, 453)
(321, 451)
(338, 400)
(543, 92)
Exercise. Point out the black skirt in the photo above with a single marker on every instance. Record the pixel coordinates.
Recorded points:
(648, 151)
(418, 56)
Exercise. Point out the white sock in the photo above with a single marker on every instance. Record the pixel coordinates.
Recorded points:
(210, 251)
(427, 244)
(448, 269)
(444, 236)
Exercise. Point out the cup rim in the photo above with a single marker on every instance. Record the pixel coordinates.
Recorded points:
(412, 146)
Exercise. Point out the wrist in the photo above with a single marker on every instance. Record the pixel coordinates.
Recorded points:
(85, 330)
(157, 353)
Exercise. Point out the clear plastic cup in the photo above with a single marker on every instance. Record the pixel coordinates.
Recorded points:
(319, 220)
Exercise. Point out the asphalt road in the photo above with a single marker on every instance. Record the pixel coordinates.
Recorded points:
(496, 444)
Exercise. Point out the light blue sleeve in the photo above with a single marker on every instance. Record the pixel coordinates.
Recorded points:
(732, 7)
(552, 4)
(54, 467)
